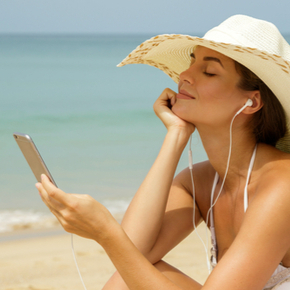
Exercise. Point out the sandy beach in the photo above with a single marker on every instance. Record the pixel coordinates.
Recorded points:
(43, 260)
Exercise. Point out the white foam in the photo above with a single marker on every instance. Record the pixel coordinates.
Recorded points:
(11, 220)
(19, 219)
(116, 207)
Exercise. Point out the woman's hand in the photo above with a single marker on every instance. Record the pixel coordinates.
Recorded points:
(78, 213)
(162, 108)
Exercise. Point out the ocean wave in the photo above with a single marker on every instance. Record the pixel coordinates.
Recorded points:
(116, 206)
(13, 220)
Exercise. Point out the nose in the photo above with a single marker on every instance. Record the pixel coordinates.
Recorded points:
(187, 75)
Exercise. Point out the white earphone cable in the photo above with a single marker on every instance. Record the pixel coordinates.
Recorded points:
(194, 203)
(73, 252)
(206, 246)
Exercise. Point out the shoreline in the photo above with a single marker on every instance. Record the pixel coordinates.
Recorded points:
(45, 224)
(31, 233)
(43, 260)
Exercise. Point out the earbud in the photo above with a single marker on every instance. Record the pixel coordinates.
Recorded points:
(249, 103)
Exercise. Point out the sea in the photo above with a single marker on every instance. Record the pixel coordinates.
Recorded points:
(92, 122)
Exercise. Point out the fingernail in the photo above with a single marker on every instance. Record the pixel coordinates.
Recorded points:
(42, 176)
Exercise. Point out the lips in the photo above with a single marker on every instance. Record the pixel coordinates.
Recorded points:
(184, 95)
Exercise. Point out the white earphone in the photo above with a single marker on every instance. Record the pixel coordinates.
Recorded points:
(249, 103)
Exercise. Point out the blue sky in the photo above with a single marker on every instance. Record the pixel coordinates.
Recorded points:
(128, 16)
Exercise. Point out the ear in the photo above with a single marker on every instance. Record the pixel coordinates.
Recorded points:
(255, 96)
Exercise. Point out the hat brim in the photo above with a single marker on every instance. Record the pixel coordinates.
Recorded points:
(171, 54)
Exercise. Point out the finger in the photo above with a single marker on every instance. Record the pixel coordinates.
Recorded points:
(44, 196)
(41, 190)
(168, 94)
(164, 101)
(173, 100)
(54, 206)
(52, 191)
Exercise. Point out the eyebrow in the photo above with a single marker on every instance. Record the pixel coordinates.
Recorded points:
(209, 58)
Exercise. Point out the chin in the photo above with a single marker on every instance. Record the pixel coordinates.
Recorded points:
(180, 111)
(183, 113)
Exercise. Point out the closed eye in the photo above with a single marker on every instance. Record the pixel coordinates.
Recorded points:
(208, 74)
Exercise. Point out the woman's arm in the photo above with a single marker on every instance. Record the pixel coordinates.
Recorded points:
(260, 245)
(177, 224)
(84, 216)
(144, 218)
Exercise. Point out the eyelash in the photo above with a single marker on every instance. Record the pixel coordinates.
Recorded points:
(208, 74)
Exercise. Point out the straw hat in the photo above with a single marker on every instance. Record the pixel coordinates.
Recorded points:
(256, 44)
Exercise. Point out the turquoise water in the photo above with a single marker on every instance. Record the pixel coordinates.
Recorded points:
(92, 122)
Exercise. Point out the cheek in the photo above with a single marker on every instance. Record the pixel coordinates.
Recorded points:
(208, 113)
(211, 93)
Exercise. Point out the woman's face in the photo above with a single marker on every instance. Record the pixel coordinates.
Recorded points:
(208, 91)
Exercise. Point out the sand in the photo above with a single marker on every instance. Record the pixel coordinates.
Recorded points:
(43, 260)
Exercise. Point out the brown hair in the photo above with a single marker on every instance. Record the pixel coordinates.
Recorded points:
(269, 123)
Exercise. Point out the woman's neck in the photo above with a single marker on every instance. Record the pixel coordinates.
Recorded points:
(217, 146)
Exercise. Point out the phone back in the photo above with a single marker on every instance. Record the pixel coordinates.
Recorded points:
(32, 156)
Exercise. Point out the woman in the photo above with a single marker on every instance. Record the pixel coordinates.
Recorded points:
(233, 88)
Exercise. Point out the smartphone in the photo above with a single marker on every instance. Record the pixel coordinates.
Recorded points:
(32, 156)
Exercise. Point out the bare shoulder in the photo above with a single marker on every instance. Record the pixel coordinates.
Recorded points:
(271, 154)
(201, 172)
(266, 222)
(273, 167)
(264, 235)
(271, 184)
(203, 176)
